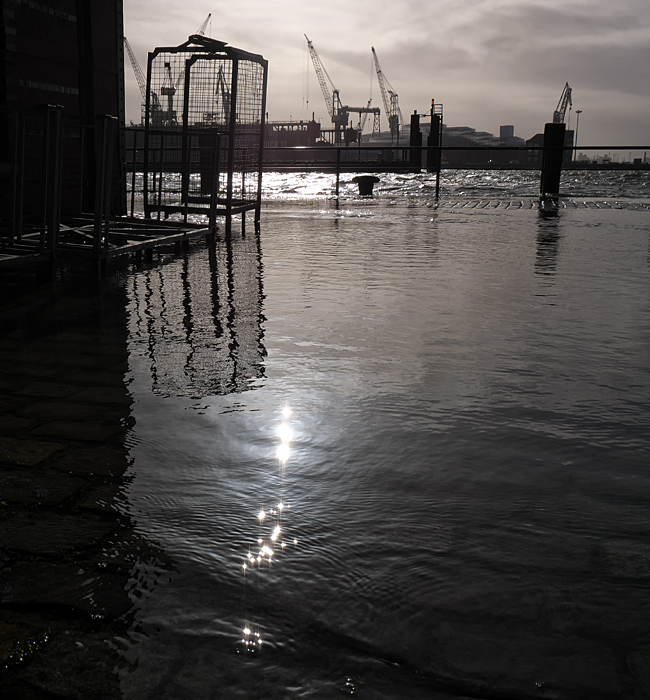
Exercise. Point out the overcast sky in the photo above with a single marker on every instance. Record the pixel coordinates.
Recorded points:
(490, 62)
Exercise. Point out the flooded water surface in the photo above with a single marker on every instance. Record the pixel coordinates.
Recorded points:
(395, 450)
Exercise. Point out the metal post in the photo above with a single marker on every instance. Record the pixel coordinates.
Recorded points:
(104, 125)
(52, 189)
(232, 127)
(258, 205)
(338, 169)
(161, 161)
(16, 190)
(186, 139)
(134, 156)
(214, 194)
(575, 151)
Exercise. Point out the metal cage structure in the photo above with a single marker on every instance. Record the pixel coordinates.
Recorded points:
(204, 130)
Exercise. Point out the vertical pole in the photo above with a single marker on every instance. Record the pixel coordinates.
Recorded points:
(147, 124)
(231, 142)
(575, 145)
(134, 157)
(214, 194)
(415, 153)
(185, 156)
(110, 124)
(552, 157)
(104, 161)
(20, 185)
(258, 206)
(53, 143)
(15, 123)
(338, 168)
(83, 163)
(161, 160)
(434, 144)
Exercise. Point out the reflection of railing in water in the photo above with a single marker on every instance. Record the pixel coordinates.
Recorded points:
(201, 330)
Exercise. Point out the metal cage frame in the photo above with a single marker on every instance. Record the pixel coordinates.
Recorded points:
(207, 160)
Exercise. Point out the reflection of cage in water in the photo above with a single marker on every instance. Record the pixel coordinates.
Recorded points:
(204, 125)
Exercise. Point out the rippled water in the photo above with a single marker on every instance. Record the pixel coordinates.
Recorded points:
(618, 184)
(438, 423)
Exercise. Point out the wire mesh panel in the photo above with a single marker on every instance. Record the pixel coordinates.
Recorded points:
(203, 129)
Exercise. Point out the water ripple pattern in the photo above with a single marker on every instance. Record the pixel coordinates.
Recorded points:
(432, 481)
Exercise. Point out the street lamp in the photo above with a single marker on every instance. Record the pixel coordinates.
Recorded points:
(575, 152)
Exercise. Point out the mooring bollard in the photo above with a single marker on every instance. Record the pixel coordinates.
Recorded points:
(552, 157)
(366, 183)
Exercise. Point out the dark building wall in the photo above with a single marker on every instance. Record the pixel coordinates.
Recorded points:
(67, 53)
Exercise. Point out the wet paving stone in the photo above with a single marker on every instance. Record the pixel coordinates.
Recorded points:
(103, 460)
(103, 498)
(60, 410)
(52, 389)
(68, 555)
(75, 667)
(36, 488)
(11, 425)
(46, 533)
(105, 395)
(90, 591)
(26, 453)
(75, 430)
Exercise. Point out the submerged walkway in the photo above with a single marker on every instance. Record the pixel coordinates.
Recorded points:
(69, 558)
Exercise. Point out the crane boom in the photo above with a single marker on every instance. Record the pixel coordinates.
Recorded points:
(139, 75)
(201, 30)
(564, 103)
(333, 103)
(390, 99)
(141, 80)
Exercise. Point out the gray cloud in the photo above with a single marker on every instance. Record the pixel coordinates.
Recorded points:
(490, 61)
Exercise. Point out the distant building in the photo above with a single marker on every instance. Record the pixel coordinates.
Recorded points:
(300, 133)
(534, 157)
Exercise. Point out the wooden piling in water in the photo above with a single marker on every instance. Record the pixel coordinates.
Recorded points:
(552, 157)
(415, 153)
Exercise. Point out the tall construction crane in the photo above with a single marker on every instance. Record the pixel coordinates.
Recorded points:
(339, 113)
(390, 99)
(333, 101)
(169, 86)
(141, 80)
(564, 103)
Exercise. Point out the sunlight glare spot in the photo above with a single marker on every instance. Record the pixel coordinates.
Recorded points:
(261, 515)
(286, 412)
(283, 452)
(285, 433)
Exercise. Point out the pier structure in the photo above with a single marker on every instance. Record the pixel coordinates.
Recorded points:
(204, 130)
(84, 186)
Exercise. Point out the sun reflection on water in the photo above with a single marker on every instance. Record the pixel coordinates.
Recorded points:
(251, 641)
